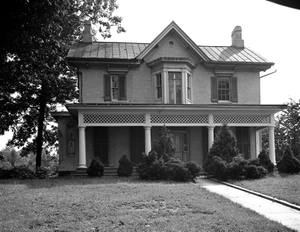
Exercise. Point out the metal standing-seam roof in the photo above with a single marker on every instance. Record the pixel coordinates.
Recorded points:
(106, 50)
(128, 51)
(232, 54)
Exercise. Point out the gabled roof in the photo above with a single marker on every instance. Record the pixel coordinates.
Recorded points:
(173, 27)
(120, 51)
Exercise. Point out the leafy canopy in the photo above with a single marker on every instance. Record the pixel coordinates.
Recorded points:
(34, 75)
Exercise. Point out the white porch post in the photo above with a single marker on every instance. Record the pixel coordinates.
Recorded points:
(257, 142)
(82, 155)
(210, 136)
(147, 139)
(272, 144)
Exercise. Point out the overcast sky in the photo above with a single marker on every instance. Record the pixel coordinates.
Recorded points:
(270, 29)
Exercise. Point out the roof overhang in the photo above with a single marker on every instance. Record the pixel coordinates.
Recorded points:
(103, 63)
(242, 109)
(252, 66)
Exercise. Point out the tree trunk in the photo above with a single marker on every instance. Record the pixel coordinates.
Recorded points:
(39, 140)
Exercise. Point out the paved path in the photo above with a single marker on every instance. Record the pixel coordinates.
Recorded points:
(272, 210)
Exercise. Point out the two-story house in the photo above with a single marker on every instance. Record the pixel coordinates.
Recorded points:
(127, 91)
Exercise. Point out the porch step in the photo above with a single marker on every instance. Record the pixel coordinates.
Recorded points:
(108, 171)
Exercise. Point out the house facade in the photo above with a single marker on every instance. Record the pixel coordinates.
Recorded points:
(127, 91)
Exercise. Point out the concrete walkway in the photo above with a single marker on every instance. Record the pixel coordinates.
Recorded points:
(273, 210)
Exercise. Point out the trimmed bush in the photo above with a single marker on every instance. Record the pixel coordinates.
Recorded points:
(255, 172)
(194, 169)
(125, 167)
(288, 163)
(236, 168)
(217, 167)
(176, 170)
(264, 160)
(96, 168)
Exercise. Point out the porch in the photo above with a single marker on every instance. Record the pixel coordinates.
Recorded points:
(131, 129)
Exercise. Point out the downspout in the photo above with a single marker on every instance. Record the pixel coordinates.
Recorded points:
(269, 73)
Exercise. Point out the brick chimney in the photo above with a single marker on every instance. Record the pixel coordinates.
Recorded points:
(87, 36)
(236, 37)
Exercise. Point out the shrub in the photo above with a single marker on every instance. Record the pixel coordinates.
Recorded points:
(154, 170)
(236, 168)
(264, 160)
(288, 163)
(125, 167)
(41, 173)
(96, 168)
(255, 172)
(164, 146)
(176, 170)
(217, 167)
(225, 145)
(194, 169)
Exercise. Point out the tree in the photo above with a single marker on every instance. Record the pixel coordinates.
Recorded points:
(287, 130)
(34, 75)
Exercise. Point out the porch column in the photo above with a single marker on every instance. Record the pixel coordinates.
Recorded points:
(82, 155)
(210, 136)
(147, 139)
(257, 143)
(272, 144)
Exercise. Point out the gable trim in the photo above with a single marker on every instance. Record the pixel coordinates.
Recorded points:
(172, 27)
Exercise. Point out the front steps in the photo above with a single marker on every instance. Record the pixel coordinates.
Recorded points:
(108, 171)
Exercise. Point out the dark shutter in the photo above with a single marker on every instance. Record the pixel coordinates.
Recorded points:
(107, 88)
(214, 89)
(234, 90)
(122, 87)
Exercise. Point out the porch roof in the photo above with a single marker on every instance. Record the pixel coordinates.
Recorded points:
(203, 108)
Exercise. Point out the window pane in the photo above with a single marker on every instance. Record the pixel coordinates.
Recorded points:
(178, 91)
(171, 91)
(175, 87)
(158, 86)
(189, 94)
(115, 87)
(223, 89)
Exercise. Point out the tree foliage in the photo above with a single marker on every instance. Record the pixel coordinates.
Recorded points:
(34, 75)
(287, 130)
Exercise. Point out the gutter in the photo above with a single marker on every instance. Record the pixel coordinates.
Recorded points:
(269, 73)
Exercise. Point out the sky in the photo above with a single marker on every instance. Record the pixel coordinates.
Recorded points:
(269, 29)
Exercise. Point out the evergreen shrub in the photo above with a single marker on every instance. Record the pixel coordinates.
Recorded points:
(96, 167)
(160, 164)
(255, 172)
(125, 167)
(264, 160)
(288, 163)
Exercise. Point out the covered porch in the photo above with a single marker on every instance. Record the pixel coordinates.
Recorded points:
(124, 126)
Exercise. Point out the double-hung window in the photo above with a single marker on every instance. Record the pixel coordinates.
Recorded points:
(175, 88)
(114, 88)
(158, 88)
(224, 89)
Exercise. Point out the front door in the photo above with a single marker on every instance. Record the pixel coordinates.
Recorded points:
(181, 145)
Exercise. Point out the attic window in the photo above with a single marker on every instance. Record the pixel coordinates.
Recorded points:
(171, 43)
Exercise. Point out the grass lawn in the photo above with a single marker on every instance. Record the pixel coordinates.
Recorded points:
(120, 204)
(282, 186)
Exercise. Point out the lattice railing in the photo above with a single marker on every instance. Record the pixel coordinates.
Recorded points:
(242, 119)
(114, 118)
(179, 119)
